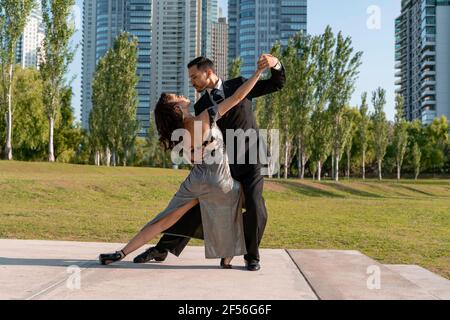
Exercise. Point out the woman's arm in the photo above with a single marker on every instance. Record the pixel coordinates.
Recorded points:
(237, 97)
(240, 93)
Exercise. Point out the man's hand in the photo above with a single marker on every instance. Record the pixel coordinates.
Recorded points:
(267, 61)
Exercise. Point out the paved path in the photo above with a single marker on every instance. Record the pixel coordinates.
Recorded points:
(31, 269)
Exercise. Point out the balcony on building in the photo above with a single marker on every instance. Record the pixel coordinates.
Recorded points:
(428, 73)
(428, 41)
(430, 91)
(428, 115)
(428, 53)
(428, 64)
(428, 102)
(399, 90)
(431, 81)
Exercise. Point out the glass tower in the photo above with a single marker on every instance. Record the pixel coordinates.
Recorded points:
(422, 54)
(103, 20)
(210, 12)
(31, 40)
(255, 26)
(177, 39)
(138, 23)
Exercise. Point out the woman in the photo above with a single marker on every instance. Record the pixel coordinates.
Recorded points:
(209, 183)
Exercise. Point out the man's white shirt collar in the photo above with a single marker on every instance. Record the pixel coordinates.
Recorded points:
(219, 86)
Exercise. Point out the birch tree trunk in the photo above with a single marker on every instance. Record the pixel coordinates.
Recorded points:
(286, 158)
(379, 170)
(300, 160)
(398, 170)
(319, 170)
(51, 155)
(348, 164)
(125, 158)
(364, 164)
(8, 147)
(332, 164)
(336, 170)
(303, 166)
(97, 158)
(270, 162)
(114, 157)
(108, 157)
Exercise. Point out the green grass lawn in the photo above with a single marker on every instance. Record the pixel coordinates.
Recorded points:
(401, 223)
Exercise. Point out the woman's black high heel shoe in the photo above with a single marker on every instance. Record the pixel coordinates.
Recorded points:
(108, 258)
(225, 265)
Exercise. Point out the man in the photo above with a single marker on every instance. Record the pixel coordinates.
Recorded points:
(204, 78)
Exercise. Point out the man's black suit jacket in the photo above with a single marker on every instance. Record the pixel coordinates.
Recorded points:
(242, 116)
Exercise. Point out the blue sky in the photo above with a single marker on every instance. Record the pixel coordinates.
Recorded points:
(375, 39)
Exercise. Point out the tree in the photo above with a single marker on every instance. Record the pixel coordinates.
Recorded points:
(123, 68)
(98, 117)
(380, 127)
(438, 139)
(320, 121)
(313, 169)
(157, 156)
(320, 143)
(416, 155)
(56, 56)
(350, 117)
(68, 135)
(303, 94)
(265, 112)
(400, 139)
(30, 123)
(344, 66)
(13, 17)
(113, 123)
(285, 103)
(235, 68)
(363, 129)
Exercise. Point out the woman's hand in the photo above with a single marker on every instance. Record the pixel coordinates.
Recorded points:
(267, 61)
(262, 65)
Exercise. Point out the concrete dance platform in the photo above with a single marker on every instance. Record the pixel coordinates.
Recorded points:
(41, 270)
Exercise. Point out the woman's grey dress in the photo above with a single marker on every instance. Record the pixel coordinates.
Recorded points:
(220, 198)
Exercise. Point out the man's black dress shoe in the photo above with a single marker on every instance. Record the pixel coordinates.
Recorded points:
(151, 254)
(252, 265)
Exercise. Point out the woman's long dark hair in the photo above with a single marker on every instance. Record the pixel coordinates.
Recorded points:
(168, 118)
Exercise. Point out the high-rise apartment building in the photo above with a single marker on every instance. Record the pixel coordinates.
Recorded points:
(103, 20)
(177, 39)
(422, 54)
(210, 11)
(255, 26)
(170, 34)
(27, 49)
(220, 47)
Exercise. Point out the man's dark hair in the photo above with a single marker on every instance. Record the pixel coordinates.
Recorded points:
(202, 63)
